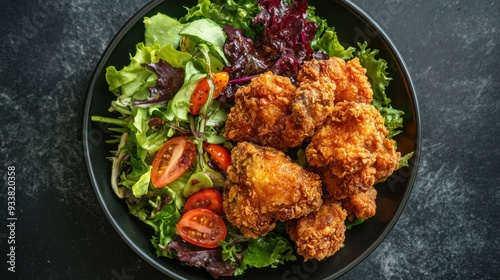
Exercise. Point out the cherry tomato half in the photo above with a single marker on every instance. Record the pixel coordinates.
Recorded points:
(219, 155)
(202, 227)
(209, 198)
(200, 93)
(174, 158)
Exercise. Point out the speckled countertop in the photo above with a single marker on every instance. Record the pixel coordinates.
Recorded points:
(449, 229)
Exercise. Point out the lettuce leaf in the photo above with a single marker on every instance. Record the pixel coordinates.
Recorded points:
(353, 223)
(178, 107)
(329, 43)
(206, 31)
(270, 250)
(266, 251)
(281, 44)
(128, 75)
(210, 259)
(162, 215)
(133, 80)
(238, 14)
(176, 189)
(163, 30)
(376, 70)
(141, 187)
(144, 136)
(169, 81)
(326, 39)
(403, 161)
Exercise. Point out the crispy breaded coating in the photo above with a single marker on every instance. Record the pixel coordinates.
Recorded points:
(271, 111)
(321, 233)
(350, 184)
(361, 205)
(320, 83)
(263, 186)
(352, 150)
(349, 78)
(261, 111)
(314, 103)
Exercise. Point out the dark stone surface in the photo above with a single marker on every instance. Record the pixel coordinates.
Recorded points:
(449, 229)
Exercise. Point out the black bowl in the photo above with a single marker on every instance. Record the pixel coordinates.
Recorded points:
(352, 26)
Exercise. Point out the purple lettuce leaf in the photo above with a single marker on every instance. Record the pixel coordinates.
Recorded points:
(210, 259)
(245, 59)
(280, 46)
(286, 34)
(169, 81)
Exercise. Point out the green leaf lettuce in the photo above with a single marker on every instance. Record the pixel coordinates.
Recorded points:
(376, 70)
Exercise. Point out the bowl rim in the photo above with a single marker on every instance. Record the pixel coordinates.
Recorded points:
(154, 262)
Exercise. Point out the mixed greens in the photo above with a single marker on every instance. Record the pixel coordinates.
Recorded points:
(154, 94)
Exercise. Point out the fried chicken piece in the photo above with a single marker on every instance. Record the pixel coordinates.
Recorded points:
(321, 233)
(263, 186)
(350, 184)
(261, 111)
(314, 103)
(361, 205)
(352, 150)
(349, 77)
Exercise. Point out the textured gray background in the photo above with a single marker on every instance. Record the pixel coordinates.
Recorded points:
(449, 229)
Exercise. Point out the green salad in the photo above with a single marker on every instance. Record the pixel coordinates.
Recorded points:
(172, 102)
